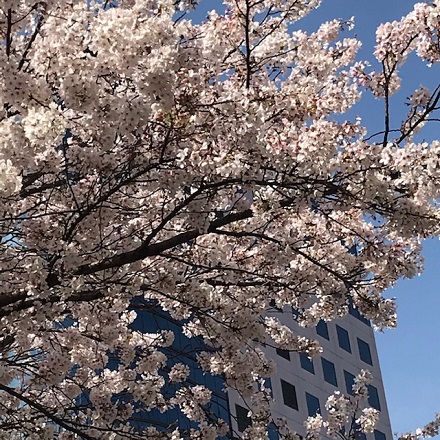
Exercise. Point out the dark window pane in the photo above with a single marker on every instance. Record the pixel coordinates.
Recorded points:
(322, 329)
(355, 312)
(296, 313)
(328, 369)
(364, 351)
(353, 250)
(349, 382)
(312, 405)
(268, 383)
(289, 394)
(273, 304)
(243, 420)
(283, 353)
(373, 397)
(306, 363)
(355, 429)
(352, 309)
(379, 435)
(343, 338)
(272, 431)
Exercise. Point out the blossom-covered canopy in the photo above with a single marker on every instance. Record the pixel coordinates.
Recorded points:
(204, 169)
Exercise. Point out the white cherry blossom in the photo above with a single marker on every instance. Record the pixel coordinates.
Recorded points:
(202, 172)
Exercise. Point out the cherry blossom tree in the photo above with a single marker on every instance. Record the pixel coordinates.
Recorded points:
(205, 169)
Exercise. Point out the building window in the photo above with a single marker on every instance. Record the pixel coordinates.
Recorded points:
(349, 382)
(289, 394)
(353, 433)
(364, 351)
(272, 432)
(312, 405)
(322, 329)
(243, 420)
(329, 371)
(353, 250)
(283, 353)
(373, 397)
(343, 338)
(296, 313)
(268, 383)
(361, 436)
(306, 363)
(273, 304)
(355, 312)
(379, 435)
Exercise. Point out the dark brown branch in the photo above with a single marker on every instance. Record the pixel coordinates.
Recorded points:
(31, 41)
(247, 19)
(387, 104)
(9, 33)
(429, 109)
(388, 73)
(36, 190)
(144, 251)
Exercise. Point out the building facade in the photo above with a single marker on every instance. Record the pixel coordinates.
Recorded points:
(152, 318)
(301, 386)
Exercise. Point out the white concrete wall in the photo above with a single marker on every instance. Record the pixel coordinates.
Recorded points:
(304, 381)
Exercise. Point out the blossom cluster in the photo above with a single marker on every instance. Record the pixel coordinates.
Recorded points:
(204, 172)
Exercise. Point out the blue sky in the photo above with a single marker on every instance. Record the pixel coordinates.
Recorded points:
(410, 354)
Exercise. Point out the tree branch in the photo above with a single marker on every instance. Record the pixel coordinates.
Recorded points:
(145, 250)
(9, 33)
(45, 412)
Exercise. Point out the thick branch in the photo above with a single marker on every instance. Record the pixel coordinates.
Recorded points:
(144, 251)
(9, 33)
